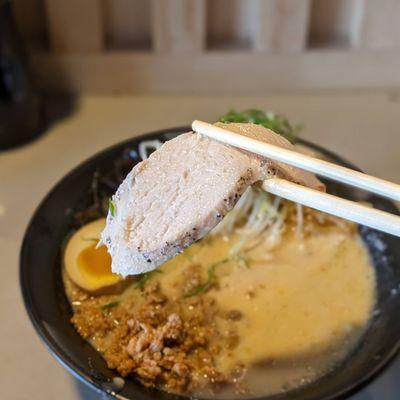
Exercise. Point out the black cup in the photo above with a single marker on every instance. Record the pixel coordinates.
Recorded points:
(20, 104)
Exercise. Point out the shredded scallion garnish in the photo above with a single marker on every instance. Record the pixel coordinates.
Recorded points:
(106, 307)
(210, 279)
(112, 207)
(90, 239)
(257, 217)
(141, 282)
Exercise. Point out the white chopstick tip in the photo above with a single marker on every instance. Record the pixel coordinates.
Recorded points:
(203, 128)
(196, 123)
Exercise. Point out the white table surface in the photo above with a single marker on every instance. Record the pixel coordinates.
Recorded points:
(363, 127)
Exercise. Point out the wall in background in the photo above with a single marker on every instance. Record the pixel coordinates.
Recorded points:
(211, 46)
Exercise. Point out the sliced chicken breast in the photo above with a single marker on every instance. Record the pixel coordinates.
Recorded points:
(182, 191)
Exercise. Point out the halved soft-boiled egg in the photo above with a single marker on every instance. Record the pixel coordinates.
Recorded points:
(87, 266)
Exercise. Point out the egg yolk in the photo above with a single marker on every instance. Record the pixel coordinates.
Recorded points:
(95, 262)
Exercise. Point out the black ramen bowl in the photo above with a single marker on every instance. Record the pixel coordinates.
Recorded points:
(50, 312)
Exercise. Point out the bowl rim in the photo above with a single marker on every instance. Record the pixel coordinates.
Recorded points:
(62, 356)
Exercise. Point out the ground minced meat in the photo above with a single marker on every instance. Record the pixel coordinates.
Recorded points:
(165, 342)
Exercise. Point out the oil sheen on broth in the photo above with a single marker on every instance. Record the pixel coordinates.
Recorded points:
(304, 305)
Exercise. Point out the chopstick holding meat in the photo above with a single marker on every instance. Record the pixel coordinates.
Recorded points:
(182, 191)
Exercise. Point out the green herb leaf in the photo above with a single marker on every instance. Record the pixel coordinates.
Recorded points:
(106, 307)
(243, 262)
(277, 123)
(90, 239)
(112, 207)
(141, 282)
(210, 279)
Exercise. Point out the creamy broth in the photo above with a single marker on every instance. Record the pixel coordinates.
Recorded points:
(301, 305)
(305, 304)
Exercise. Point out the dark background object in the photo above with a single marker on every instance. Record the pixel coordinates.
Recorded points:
(20, 105)
(50, 312)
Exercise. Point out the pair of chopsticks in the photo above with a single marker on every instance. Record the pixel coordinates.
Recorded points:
(350, 210)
